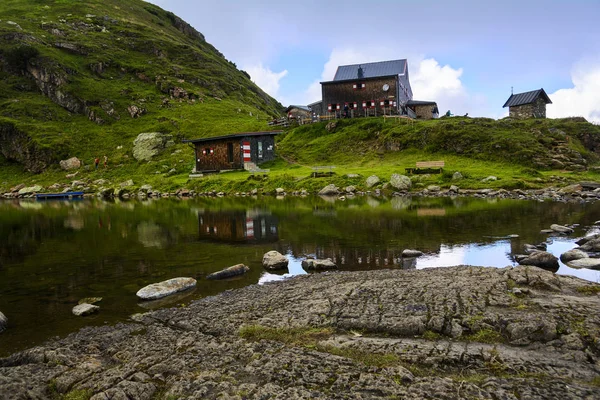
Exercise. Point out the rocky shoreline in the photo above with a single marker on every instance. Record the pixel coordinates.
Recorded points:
(583, 192)
(443, 333)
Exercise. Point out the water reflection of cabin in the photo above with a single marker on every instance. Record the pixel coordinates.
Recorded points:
(237, 226)
(236, 151)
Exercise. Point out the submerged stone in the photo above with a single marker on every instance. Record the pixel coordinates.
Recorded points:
(84, 309)
(90, 300)
(3, 322)
(313, 264)
(165, 288)
(274, 260)
(235, 270)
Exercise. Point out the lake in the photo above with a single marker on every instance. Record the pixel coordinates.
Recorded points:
(54, 253)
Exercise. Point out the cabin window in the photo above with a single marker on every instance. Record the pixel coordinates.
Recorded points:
(368, 104)
(208, 151)
(358, 86)
(260, 150)
(230, 152)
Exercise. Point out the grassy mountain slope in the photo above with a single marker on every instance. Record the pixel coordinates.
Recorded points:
(82, 78)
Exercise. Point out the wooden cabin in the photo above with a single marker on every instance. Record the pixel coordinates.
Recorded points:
(367, 89)
(237, 151)
(528, 104)
(297, 112)
(423, 109)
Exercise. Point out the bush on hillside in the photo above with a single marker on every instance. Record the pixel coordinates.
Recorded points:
(18, 57)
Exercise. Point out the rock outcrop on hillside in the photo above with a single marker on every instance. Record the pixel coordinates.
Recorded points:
(446, 333)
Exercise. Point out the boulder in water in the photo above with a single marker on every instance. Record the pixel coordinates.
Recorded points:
(313, 264)
(274, 260)
(84, 309)
(409, 253)
(238, 269)
(165, 288)
(541, 259)
(573, 254)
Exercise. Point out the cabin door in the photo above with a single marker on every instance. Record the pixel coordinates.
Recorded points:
(246, 148)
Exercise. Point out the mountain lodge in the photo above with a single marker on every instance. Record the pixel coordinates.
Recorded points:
(528, 104)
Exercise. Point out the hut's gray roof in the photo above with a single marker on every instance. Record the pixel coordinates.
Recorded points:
(526, 98)
(232, 136)
(371, 70)
(420, 103)
(305, 108)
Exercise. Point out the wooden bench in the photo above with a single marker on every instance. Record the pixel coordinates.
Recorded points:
(322, 170)
(426, 167)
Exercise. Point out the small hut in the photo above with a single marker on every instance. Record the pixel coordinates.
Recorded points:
(237, 151)
(423, 109)
(528, 104)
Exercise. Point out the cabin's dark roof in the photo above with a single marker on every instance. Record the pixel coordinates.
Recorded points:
(420, 103)
(315, 103)
(371, 70)
(526, 98)
(232, 136)
(305, 108)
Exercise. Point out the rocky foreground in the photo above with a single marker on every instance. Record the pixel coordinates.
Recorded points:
(446, 333)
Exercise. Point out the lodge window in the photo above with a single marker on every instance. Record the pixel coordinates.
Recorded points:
(368, 104)
(358, 86)
(333, 107)
(260, 149)
(230, 152)
(208, 151)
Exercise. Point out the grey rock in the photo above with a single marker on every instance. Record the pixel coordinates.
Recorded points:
(71, 163)
(586, 239)
(400, 182)
(280, 191)
(591, 245)
(454, 189)
(353, 175)
(433, 188)
(573, 254)
(590, 263)
(314, 264)
(408, 253)
(30, 190)
(329, 190)
(372, 180)
(150, 144)
(274, 260)
(3, 322)
(561, 229)
(165, 288)
(490, 178)
(571, 189)
(235, 270)
(84, 309)
(457, 176)
(127, 183)
(541, 259)
(350, 189)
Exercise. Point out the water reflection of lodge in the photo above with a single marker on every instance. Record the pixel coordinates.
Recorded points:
(359, 258)
(238, 226)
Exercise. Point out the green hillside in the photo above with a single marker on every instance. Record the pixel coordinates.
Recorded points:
(81, 78)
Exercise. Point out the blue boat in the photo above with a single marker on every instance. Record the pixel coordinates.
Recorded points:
(59, 196)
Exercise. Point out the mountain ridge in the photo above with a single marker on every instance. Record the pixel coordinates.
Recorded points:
(72, 72)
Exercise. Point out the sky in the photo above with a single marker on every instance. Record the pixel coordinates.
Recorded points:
(465, 55)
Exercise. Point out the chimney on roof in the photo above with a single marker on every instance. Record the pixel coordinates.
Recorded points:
(361, 74)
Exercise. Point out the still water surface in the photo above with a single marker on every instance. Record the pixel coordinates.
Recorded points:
(54, 253)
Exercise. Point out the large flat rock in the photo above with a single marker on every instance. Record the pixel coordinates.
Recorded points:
(442, 333)
(165, 288)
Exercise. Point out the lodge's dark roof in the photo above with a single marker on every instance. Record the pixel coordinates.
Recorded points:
(232, 136)
(305, 108)
(315, 103)
(420, 103)
(526, 98)
(371, 70)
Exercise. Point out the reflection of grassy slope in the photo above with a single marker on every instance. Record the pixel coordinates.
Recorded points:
(144, 55)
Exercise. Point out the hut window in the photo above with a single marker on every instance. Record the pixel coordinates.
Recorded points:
(208, 151)
(358, 86)
(260, 150)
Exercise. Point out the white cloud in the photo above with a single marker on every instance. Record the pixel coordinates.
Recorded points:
(583, 99)
(266, 79)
